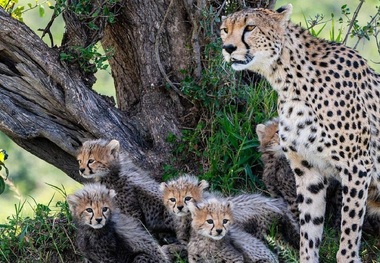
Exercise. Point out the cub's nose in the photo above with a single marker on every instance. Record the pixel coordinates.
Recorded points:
(99, 220)
(219, 231)
(229, 48)
(81, 170)
(180, 207)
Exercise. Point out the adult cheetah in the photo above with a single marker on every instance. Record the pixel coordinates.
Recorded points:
(329, 113)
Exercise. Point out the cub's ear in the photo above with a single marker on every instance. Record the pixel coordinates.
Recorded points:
(112, 193)
(260, 131)
(114, 146)
(72, 201)
(283, 13)
(224, 18)
(163, 186)
(230, 205)
(203, 184)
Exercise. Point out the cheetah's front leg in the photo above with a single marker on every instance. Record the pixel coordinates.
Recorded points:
(355, 182)
(311, 199)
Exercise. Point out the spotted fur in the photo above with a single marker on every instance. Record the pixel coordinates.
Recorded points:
(106, 235)
(329, 115)
(279, 177)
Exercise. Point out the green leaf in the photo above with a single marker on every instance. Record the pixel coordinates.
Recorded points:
(41, 10)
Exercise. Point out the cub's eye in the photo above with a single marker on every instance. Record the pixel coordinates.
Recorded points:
(89, 210)
(225, 221)
(172, 199)
(79, 161)
(104, 209)
(91, 160)
(249, 28)
(210, 221)
(225, 30)
(188, 198)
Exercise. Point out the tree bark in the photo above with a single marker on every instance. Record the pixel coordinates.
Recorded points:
(48, 107)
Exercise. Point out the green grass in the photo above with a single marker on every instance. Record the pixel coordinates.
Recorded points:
(46, 237)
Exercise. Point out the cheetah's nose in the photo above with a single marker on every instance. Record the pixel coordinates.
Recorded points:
(180, 207)
(81, 170)
(98, 220)
(229, 48)
(219, 231)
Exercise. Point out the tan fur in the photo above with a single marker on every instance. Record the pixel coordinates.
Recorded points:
(92, 205)
(106, 235)
(97, 157)
(177, 192)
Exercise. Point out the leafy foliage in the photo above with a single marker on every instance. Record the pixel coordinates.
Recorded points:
(16, 11)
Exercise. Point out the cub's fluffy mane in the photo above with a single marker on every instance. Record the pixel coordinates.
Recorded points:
(211, 205)
(91, 192)
(100, 145)
(183, 182)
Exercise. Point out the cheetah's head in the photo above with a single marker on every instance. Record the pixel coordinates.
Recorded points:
(211, 218)
(92, 206)
(177, 193)
(97, 158)
(253, 38)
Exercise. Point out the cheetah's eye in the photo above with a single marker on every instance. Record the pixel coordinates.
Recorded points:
(188, 198)
(249, 28)
(172, 199)
(225, 30)
(104, 209)
(79, 161)
(91, 161)
(225, 221)
(210, 221)
(89, 210)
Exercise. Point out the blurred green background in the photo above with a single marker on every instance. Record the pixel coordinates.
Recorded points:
(30, 176)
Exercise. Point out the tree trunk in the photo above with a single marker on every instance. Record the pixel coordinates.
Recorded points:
(48, 107)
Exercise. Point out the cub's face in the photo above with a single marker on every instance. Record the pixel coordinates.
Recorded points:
(252, 38)
(177, 194)
(211, 218)
(269, 138)
(96, 157)
(92, 206)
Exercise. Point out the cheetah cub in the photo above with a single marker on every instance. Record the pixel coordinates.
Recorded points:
(106, 235)
(254, 213)
(279, 177)
(138, 194)
(215, 239)
(176, 194)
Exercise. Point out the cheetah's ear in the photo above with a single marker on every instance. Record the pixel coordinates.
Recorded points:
(230, 205)
(163, 186)
(112, 193)
(224, 18)
(72, 201)
(283, 13)
(260, 131)
(203, 184)
(114, 146)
